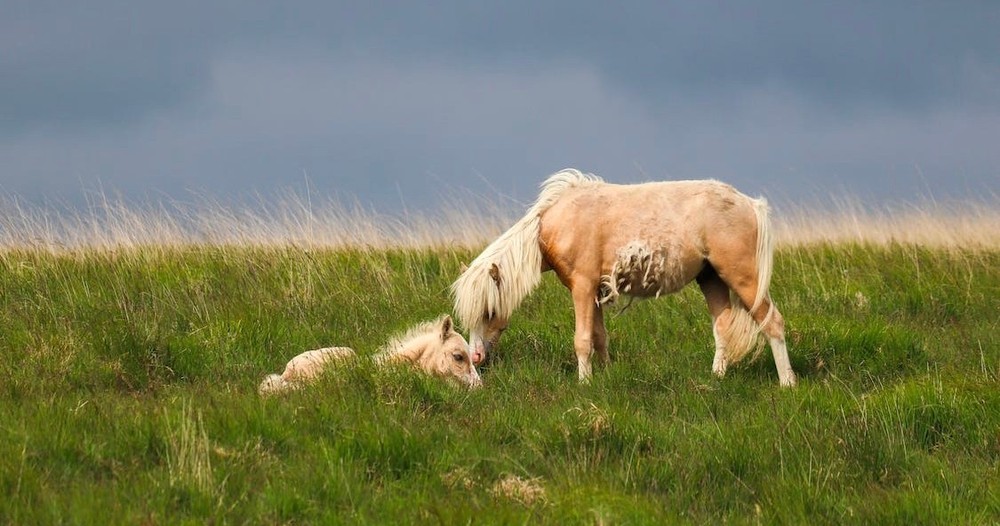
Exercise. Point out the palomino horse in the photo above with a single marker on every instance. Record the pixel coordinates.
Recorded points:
(433, 347)
(604, 240)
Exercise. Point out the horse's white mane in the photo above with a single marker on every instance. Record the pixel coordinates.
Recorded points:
(517, 256)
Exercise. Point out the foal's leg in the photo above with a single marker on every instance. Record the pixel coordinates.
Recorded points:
(600, 336)
(583, 340)
(717, 295)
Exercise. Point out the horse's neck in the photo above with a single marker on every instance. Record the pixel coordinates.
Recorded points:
(499, 279)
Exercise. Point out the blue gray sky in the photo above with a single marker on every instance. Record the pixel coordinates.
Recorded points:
(392, 103)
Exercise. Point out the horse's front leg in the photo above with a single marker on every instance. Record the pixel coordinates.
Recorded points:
(583, 339)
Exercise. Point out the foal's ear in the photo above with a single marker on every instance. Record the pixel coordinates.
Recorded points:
(446, 327)
(495, 273)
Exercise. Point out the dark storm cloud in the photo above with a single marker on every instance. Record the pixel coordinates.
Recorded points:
(376, 100)
(116, 59)
(80, 63)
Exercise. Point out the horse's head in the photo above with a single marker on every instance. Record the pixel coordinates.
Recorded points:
(485, 333)
(451, 356)
(484, 336)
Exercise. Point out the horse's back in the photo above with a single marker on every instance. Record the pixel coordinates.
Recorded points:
(588, 228)
(644, 208)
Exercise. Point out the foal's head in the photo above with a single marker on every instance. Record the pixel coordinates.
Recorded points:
(442, 352)
(453, 359)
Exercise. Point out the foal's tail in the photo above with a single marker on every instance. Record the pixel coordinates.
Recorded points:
(743, 335)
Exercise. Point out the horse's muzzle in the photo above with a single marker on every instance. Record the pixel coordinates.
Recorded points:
(478, 350)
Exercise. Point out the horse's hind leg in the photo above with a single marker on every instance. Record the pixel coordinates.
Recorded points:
(773, 326)
(737, 268)
(717, 295)
(775, 331)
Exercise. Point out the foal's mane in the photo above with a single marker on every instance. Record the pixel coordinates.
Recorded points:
(397, 344)
(517, 256)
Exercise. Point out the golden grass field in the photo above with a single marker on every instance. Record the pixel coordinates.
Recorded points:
(306, 221)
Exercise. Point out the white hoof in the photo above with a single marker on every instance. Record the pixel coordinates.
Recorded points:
(719, 368)
(789, 380)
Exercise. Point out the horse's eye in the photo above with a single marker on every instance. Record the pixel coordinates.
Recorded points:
(459, 357)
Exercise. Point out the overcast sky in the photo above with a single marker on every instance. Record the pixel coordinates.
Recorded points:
(391, 103)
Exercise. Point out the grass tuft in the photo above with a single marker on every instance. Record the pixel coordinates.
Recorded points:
(188, 454)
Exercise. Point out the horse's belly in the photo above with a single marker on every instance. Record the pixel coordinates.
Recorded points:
(641, 271)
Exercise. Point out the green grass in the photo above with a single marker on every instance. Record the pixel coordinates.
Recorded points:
(129, 396)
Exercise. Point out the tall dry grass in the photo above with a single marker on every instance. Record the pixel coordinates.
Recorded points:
(296, 220)
(956, 224)
(288, 220)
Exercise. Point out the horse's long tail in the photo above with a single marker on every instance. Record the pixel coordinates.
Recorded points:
(743, 334)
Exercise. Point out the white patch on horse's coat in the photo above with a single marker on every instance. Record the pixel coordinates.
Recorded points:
(640, 271)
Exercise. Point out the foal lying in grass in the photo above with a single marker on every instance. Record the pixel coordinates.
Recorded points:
(432, 346)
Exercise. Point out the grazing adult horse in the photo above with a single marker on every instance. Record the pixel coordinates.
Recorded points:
(605, 240)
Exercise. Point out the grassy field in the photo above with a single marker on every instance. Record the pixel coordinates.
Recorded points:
(130, 374)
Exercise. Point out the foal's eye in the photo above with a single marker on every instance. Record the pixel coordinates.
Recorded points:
(459, 357)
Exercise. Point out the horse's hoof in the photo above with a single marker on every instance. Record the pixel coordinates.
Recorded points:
(791, 381)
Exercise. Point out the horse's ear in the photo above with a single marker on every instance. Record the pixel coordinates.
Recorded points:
(446, 327)
(495, 274)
